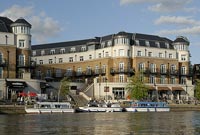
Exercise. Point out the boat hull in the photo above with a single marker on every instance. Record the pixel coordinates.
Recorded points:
(135, 109)
(100, 109)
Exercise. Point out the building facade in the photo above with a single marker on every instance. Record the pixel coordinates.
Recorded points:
(105, 64)
(15, 57)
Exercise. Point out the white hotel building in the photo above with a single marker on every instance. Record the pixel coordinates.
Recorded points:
(100, 67)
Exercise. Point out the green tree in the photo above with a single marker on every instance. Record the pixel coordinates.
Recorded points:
(136, 88)
(64, 88)
(197, 89)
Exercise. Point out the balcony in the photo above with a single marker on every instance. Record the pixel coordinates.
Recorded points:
(122, 71)
(31, 65)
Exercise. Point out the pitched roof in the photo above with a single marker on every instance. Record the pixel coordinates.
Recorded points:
(5, 24)
(181, 39)
(62, 44)
(21, 21)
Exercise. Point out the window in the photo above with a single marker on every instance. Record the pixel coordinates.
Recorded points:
(1, 72)
(150, 54)
(121, 52)
(42, 52)
(70, 59)
(121, 67)
(21, 43)
(50, 61)
(41, 62)
(99, 55)
(137, 42)
(48, 73)
(153, 68)
(163, 68)
(170, 56)
(161, 55)
(73, 49)
(173, 80)
(121, 78)
(152, 79)
(162, 79)
(141, 67)
(183, 70)
(158, 44)
(52, 51)
(90, 56)
(96, 69)
(103, 44)
(147, 43)
(34, 53)
(107, 54)
(21, 61)
(88, 70)
(183, 80)
(81, 58)
(128, 53)
(104, 69)
(62, 51)
(60, 60)
(109, 43)
(167, 45)
(79, 71)
(139, 53)
(183, 57)
(58, 73)
(83, 48)
(68, 72)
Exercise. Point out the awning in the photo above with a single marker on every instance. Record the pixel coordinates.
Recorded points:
(16, 84)
(177, 88)
(163, 88)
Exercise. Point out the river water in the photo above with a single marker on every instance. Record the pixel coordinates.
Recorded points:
(122, 123)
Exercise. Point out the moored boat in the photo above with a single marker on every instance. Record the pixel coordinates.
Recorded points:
(148, 107)
(94, 106)
(50, 107)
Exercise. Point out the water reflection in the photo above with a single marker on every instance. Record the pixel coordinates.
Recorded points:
(173, 123)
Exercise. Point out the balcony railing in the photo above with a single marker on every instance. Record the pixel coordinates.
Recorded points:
(122, 71)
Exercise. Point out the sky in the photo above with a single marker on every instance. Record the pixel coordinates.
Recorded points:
(67, 20)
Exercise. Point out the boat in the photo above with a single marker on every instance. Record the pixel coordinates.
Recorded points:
(50, 107)
(147, 107)
(94, 106)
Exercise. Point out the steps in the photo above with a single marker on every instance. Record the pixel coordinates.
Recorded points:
(79, 100)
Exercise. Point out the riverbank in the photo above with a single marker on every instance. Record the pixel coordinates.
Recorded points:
(20, 109)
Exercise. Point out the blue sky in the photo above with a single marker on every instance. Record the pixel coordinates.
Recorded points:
(66, 20)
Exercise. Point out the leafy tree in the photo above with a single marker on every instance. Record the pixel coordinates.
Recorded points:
(64, 88)
(197, 89)
(136, 88)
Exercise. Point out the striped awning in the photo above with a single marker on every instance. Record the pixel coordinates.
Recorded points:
(177, 88)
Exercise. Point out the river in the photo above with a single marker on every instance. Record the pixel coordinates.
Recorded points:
(122, 123)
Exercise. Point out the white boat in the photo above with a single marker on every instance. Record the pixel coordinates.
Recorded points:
(148, 107)
(101, 107)
(50, 107)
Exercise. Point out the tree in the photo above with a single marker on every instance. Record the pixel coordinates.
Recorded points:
(64, 88)
(197, 89)
(136, 88)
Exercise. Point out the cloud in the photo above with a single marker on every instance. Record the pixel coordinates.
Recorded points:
(163, 5)
(43, 26)
(191, 31)
(178, 20)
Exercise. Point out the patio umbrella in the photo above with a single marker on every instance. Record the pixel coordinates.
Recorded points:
(23, 94)
(32, 94)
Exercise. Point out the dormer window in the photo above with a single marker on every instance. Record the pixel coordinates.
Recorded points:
(167, 45)
(158, 44)
(62, 51)
(137, 42)
(73, 49)
(103, 44)
(52, 51)
(42, 52)
(83, 48)
(34, 53)
(109, 43)
(147, 43)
